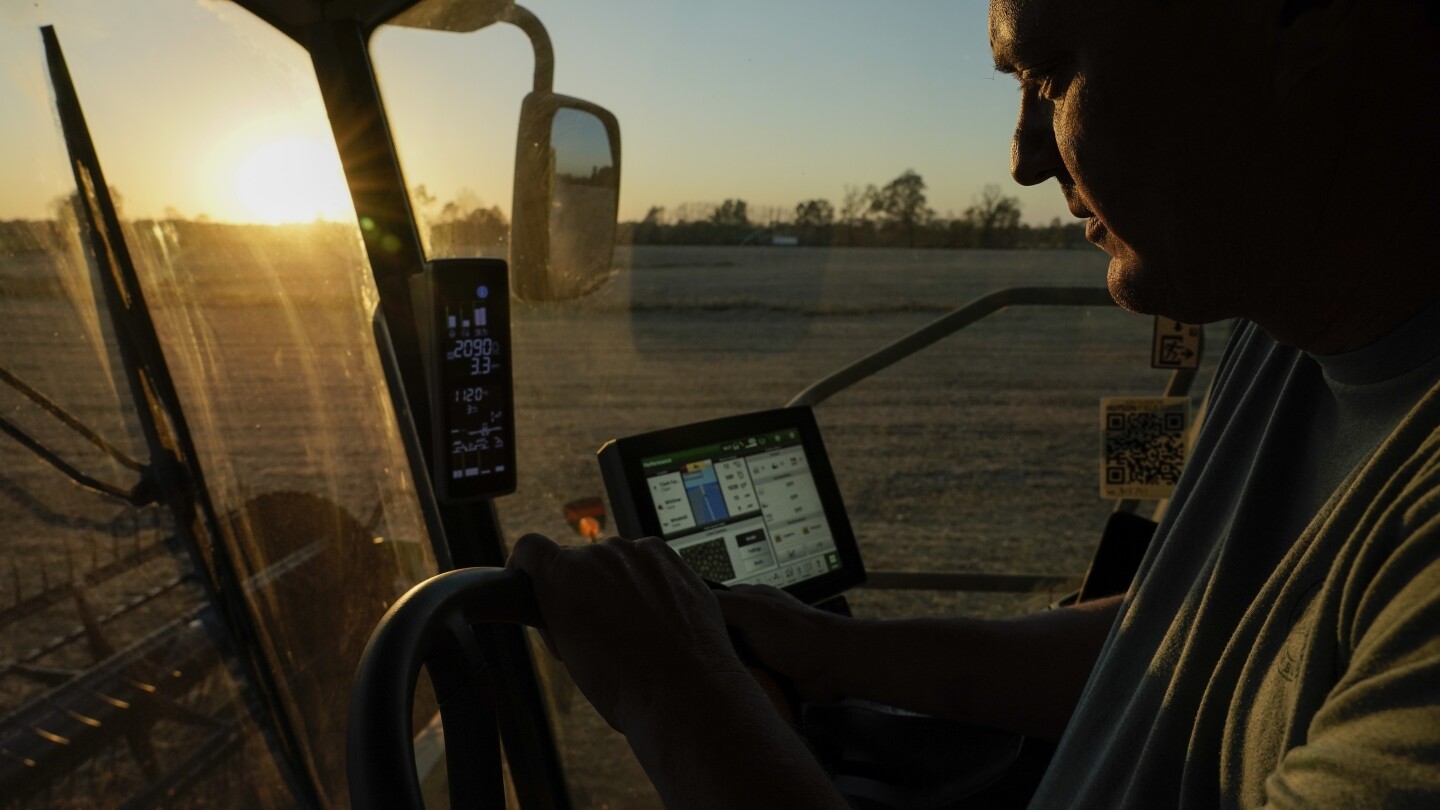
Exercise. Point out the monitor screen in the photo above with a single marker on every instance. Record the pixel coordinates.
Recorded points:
(748, 499)
(744, 511)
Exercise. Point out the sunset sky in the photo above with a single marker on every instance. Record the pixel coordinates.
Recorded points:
(199, 108)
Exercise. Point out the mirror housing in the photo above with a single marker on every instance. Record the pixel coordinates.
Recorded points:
(459, 16)
(295, 16)
(567, 198)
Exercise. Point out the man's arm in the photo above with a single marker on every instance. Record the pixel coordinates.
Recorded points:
(646, 643)
(1023, 674)
(721, 744)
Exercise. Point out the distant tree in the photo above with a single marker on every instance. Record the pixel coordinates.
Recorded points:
(651, 230)
(995, 218)
(693, 212)
(856, 204)
(423, 203)
(902, 200)
(730, 212)
(853, 218)
(68, 211)
(1052, 236)
(466, 226)
(902, 203)
(770, 215)
(814, 214)
(868, 217)
(22, 236)
(65, 206)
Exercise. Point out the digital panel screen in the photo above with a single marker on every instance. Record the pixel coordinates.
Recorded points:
(475, 430)
(745, 511)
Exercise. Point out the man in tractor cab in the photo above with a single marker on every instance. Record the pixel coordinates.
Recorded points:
(1274, 161)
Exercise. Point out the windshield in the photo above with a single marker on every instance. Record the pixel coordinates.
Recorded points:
(190, 578)
(150, 656)
(799, 189)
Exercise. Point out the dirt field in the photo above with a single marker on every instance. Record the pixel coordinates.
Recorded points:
(979, 454)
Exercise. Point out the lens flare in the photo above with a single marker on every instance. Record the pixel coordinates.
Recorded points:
(292, 180)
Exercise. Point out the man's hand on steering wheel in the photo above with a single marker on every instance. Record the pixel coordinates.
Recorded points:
(636, 628)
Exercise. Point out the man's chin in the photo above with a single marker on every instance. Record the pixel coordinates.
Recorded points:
(1144, 292)
(1126, 284)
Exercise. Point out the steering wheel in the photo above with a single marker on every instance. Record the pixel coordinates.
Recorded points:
(430, 626)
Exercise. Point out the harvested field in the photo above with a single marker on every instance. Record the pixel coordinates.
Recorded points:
(978, 454)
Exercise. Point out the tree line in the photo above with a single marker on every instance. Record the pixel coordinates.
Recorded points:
(894, 215)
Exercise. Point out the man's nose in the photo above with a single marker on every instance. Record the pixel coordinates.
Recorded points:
(1034, 154)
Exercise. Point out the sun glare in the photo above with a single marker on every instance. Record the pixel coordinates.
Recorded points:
(292, 180)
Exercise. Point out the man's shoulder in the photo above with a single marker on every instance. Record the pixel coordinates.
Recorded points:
(1404, 471)
(1394, 508)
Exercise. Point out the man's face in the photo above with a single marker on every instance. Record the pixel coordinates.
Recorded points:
(1153, 137)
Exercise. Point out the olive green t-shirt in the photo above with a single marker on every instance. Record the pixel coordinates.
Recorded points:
(1281, 645)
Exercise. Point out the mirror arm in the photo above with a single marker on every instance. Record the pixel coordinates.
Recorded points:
(521, 18)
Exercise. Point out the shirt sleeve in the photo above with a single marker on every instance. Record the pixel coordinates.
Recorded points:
(1375, 742)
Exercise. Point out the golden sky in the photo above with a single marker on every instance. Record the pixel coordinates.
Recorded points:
(197, 108)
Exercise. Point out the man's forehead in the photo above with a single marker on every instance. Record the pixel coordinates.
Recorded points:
(1019, 27)
(1026, 32)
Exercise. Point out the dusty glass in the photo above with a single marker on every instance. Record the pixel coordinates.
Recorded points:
(799, 189)
(123, 679)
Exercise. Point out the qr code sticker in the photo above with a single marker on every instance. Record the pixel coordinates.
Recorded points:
(1143, 447)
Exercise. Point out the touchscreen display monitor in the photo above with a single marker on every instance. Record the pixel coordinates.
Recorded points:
(747, 500)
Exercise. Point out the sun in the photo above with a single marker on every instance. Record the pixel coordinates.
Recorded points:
(292, 180)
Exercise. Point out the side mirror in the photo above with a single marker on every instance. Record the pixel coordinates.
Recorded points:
(567, 197)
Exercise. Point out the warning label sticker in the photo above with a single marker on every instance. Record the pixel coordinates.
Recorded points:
(1143, 445)
(1176, 344)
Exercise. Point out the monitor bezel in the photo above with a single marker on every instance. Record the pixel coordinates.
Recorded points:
(633, 449)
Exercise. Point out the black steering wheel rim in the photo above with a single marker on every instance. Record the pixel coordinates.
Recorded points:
(430, 627)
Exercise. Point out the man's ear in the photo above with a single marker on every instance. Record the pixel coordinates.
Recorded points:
(1311, 35)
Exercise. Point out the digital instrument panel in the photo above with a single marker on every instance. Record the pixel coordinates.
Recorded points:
(463, 308)
(747, 499)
